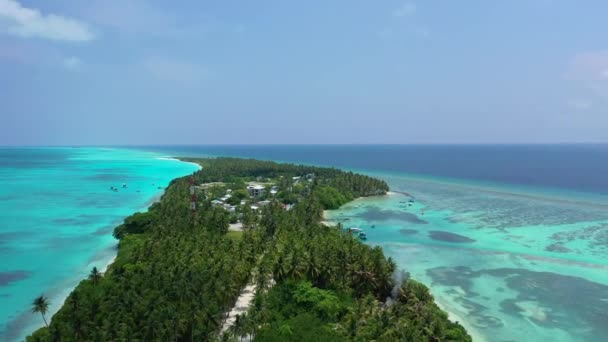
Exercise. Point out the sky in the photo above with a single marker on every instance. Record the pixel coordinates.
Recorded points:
(120, 72)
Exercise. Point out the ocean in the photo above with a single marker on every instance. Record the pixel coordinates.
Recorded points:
(511, 239)
(57, 214)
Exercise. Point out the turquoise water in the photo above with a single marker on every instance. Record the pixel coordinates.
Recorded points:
(511, 239)
(510, 264)
(57, 215)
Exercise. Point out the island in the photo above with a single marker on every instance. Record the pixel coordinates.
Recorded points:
(245, 236)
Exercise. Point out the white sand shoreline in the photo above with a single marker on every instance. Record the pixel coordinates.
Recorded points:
(181, 161)
(452, 316)
(61, 293)
(456, 318)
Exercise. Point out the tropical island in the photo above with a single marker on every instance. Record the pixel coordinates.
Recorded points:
(246, 225)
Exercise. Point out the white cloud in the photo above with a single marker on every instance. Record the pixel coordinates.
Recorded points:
(405, 10)
(175, 70)
(21, 21)
(72, 63)
(146, 18)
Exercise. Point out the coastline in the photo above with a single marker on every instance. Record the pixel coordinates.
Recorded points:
(59, 294)
(456, 318)
(181, 161)
(324, 214)
(452, 316)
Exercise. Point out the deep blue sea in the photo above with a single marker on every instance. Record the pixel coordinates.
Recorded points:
(511, 239)
(575, 167)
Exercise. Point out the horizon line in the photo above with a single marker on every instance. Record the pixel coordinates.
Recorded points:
(311, 144)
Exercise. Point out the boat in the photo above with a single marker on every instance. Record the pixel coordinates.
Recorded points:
(124, 185)
(355, 230)
(362, 236)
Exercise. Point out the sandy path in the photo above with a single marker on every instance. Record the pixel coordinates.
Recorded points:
(241, 306)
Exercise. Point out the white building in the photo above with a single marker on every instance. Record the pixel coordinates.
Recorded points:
(255, 190)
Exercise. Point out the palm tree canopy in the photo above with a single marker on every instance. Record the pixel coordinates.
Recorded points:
(95, 275)
(40, 304)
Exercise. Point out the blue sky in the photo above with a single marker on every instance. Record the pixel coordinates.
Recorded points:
(237, 72)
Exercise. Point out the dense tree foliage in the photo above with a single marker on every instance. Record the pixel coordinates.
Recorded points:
(330, 286)
(177, 273)
(348, 184)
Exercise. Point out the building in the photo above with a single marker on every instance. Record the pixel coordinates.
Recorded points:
(263, 203)
(274, 190)
(255, 190)
(229, 208)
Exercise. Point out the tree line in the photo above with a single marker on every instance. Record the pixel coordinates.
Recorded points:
(177, 274)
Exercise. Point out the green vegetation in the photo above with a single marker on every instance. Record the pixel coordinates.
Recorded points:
(41, 305)
(136, 223)
(236, 236)
(177, 274)
(330, 197)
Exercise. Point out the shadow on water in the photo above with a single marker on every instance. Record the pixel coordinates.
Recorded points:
(546, 299)
(377, 214)
(439, 235)
(6, 278)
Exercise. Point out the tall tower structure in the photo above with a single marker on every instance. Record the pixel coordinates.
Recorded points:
(192, 195)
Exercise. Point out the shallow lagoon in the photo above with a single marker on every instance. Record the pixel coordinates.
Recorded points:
(57, 216)
(510, 263)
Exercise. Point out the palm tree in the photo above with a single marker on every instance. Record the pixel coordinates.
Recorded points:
(95, 275)
(41, 304)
